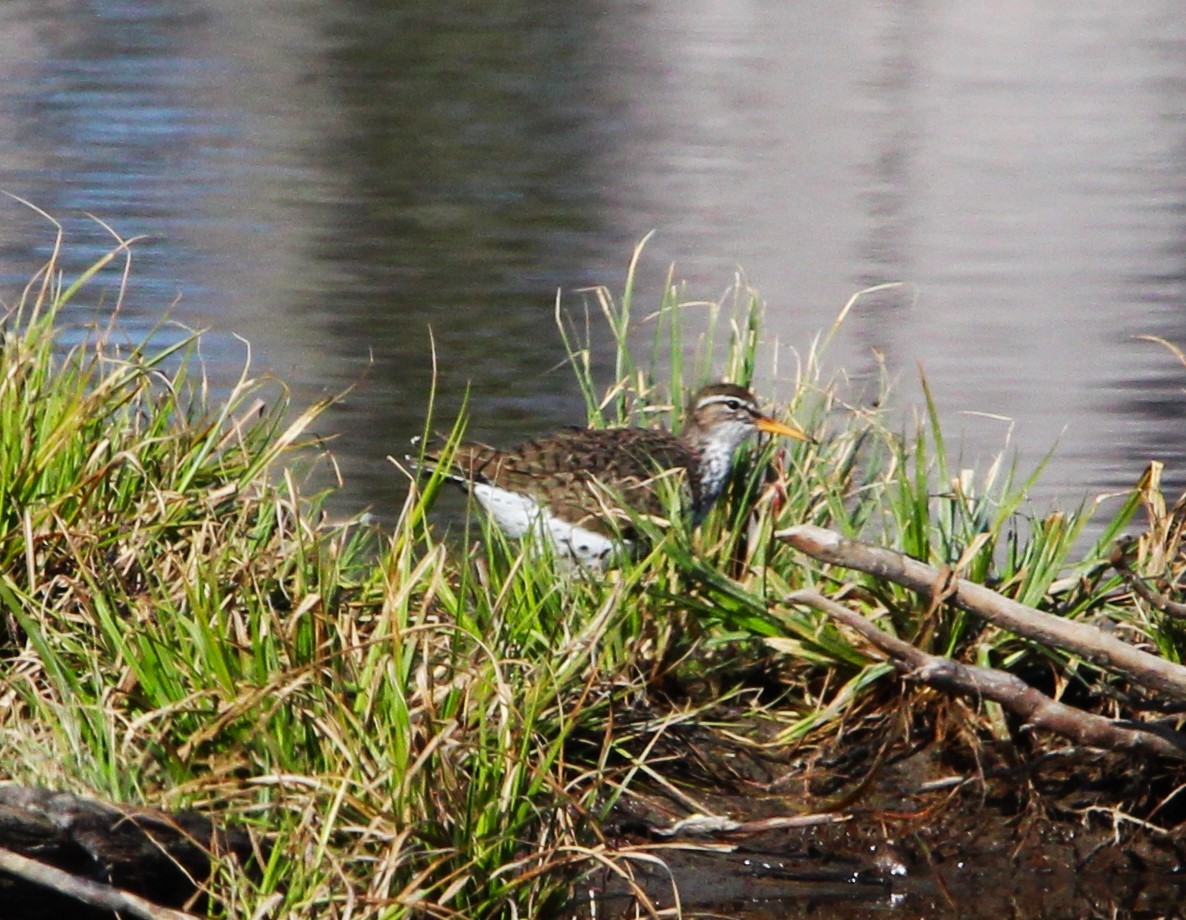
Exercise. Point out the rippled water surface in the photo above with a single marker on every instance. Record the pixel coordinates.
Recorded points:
(332, 180)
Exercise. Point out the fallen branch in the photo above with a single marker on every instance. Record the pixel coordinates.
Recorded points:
(1029, 704)
(1089, 642)
(94, 894)
(128, 859)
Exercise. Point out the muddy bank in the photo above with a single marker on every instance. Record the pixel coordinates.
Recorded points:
(924, 827)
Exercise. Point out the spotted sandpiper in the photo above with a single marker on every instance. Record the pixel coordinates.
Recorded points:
(573, 487)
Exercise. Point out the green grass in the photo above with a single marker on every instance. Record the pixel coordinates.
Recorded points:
(418, 731)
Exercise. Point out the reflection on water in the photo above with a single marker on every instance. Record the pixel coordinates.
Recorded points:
(333, 180)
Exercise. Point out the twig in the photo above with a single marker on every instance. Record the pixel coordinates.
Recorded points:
(95, 894)
(1118, 559)
(1104, 651)
(1030, 704)
(715, 826)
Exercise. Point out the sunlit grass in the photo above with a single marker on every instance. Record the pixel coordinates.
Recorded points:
(427, 727)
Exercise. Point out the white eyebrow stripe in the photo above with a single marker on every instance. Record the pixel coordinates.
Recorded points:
(717, 400)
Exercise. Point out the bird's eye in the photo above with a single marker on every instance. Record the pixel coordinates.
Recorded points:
(733, 405)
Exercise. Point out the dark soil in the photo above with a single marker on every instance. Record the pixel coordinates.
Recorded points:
(936, 827)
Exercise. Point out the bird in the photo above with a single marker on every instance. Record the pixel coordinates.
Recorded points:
(581, 488)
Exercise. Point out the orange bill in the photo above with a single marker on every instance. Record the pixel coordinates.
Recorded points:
(773, 426)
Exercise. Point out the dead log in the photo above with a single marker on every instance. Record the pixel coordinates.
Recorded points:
(81, 851)
(84, 891)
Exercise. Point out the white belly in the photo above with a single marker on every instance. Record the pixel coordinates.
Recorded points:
(518, 515)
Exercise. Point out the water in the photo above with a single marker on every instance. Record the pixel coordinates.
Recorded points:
(333, 180)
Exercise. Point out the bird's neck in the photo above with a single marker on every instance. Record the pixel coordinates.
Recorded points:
(714, 453)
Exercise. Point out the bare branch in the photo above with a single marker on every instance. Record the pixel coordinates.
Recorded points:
(1024, 701)
(1089, 642)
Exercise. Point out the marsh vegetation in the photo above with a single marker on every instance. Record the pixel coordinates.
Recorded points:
(409, 721)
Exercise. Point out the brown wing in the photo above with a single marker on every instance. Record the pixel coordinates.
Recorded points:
(582, 472)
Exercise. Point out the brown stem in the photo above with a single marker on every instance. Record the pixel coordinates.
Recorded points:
(1142, 588)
